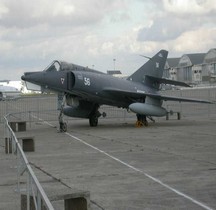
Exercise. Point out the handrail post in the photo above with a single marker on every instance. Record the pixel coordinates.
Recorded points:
(31, 178)
(28, 191)
(18, 170)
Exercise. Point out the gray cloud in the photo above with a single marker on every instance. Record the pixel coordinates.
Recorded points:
(33, 33)
(26, 14)
(165, 28)
(192, 7)
(176, 17)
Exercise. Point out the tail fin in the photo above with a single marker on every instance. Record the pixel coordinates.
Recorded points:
(150, 70)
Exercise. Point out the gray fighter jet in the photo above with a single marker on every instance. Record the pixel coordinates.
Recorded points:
(85, 89)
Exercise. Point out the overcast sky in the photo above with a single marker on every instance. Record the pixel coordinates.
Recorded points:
(94, 32)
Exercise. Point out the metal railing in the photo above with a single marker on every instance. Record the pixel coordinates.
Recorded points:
(45, 106)
(33, 187)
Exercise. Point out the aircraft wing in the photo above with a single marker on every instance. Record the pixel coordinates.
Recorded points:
(141, 94)
(168, 81)
(181, 99)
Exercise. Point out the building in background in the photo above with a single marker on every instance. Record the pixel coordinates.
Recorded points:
(170, 70)
(190, 68)
(193, 68)
(209, 66)
(116, 73)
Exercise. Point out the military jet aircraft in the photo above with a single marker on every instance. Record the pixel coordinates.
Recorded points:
(86, 89)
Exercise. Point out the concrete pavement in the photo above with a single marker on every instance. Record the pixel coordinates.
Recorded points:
(167, 165)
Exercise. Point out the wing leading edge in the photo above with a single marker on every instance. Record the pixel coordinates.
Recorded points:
(142, 94)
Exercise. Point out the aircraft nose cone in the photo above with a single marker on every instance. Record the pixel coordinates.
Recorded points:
(26, 76)
(23, 77)
(33, 77)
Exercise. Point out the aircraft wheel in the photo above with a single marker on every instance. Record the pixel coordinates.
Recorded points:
(93, 121)
(146, 123)
(63, 127)
(139, 124)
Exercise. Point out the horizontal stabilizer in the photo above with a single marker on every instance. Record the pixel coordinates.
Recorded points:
(167, 81)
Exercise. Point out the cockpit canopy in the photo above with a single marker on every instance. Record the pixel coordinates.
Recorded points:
(60, 66)
(65, 66)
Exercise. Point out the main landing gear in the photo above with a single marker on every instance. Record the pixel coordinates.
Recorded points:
(95, 114)
(62, 124)
(142, 120)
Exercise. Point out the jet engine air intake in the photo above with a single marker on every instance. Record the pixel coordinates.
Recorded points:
(72, 101)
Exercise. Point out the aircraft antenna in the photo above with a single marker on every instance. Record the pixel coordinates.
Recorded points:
(145, 57)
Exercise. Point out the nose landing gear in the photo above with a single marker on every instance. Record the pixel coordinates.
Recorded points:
(62, 124)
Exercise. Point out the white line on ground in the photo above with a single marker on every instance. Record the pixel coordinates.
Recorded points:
(147, 175)
(45, 122)
(137, 170)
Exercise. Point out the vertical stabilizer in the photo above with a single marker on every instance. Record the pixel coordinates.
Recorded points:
(152, 69)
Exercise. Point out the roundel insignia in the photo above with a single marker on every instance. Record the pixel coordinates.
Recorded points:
(62, 80)
(160, 55)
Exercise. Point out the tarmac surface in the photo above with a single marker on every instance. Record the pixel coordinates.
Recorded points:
(167, 165)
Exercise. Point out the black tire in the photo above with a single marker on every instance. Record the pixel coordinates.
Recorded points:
(63, 127)
(93, 121)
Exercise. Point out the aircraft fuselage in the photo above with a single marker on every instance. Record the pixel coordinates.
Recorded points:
(88, 85)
